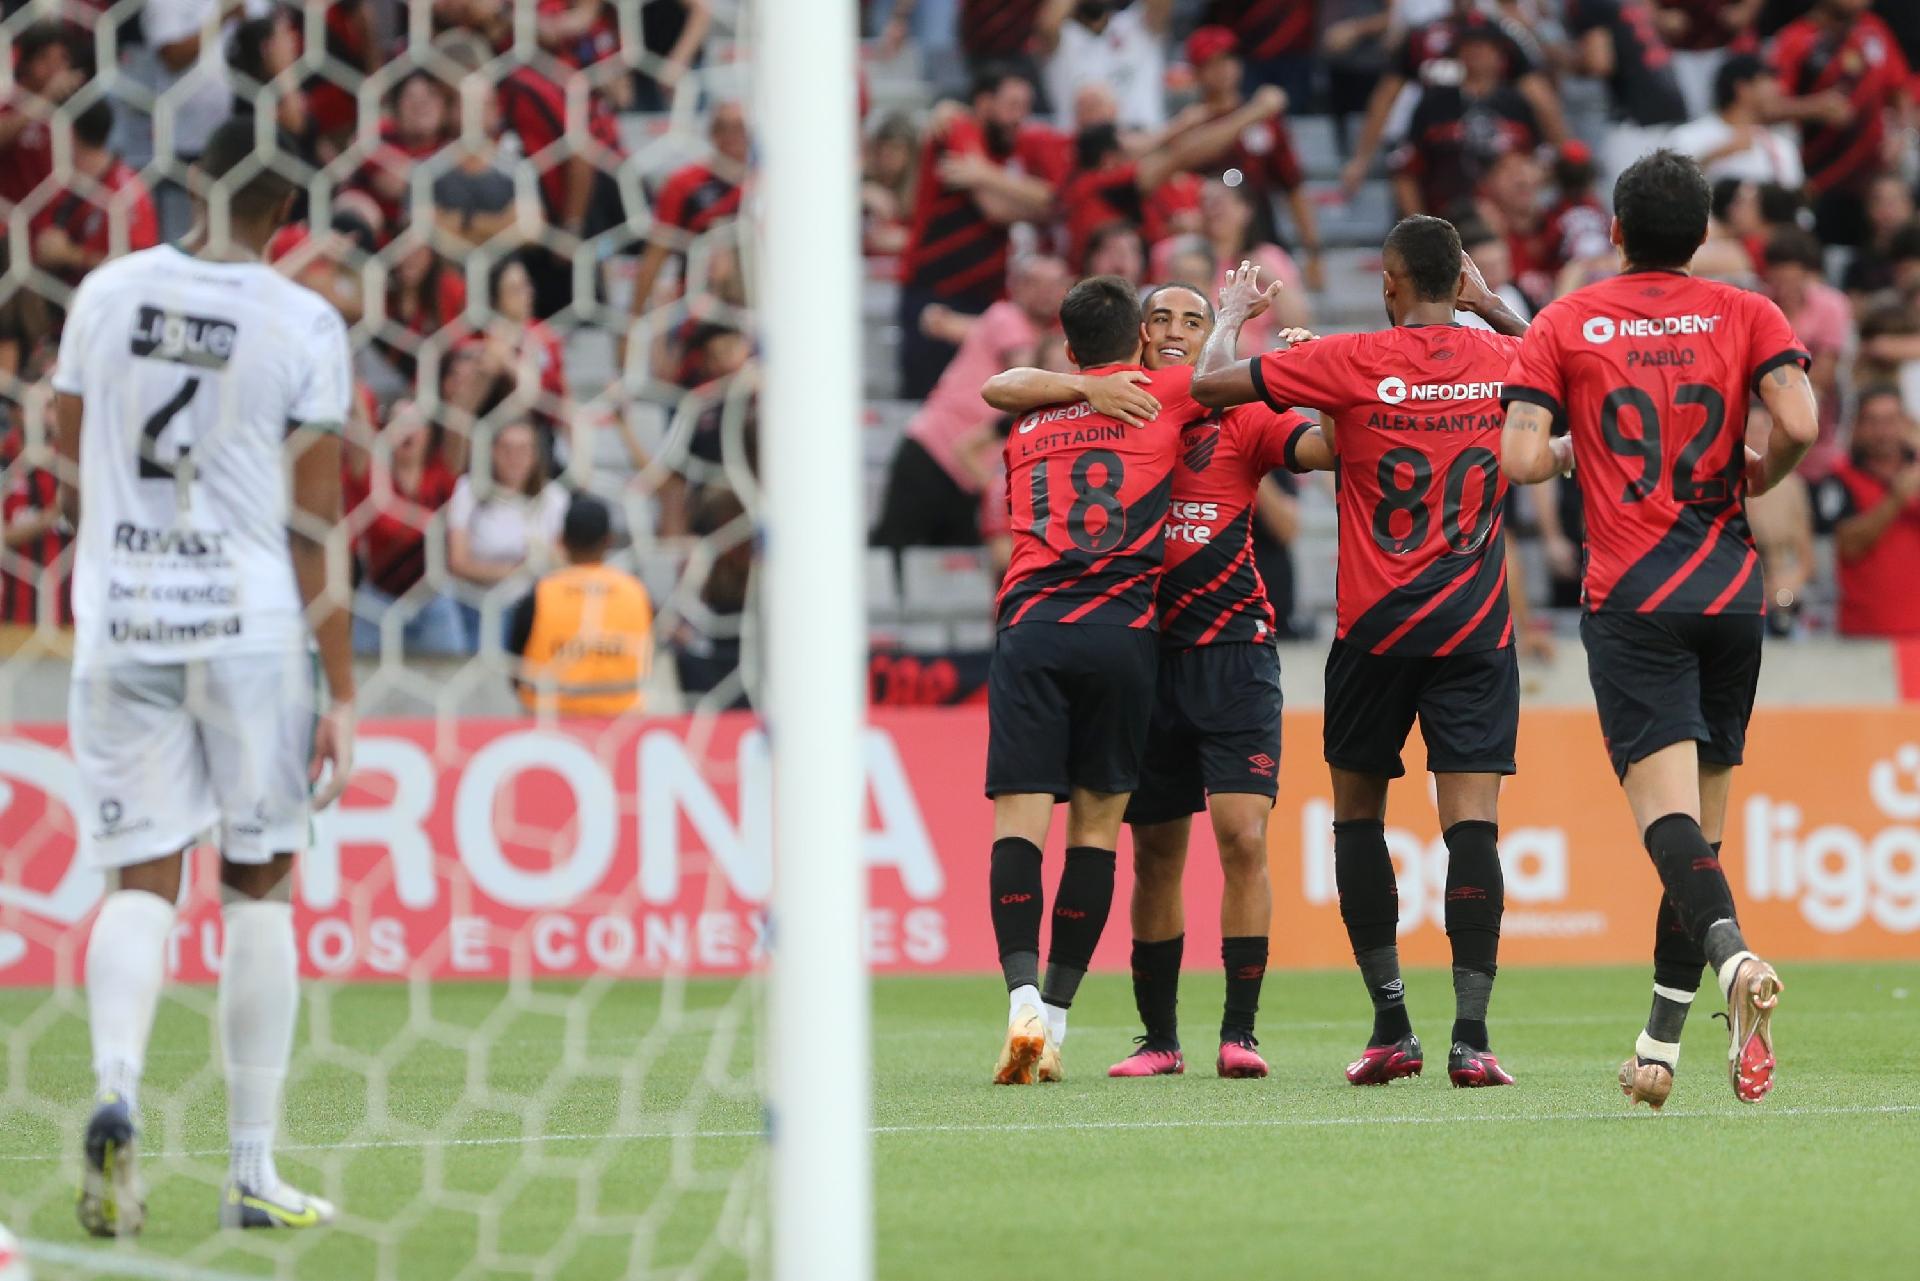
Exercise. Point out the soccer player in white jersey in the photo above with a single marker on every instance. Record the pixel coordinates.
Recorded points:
(200, 398)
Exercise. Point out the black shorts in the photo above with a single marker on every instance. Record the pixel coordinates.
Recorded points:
(1661, 679)
(1068, 706)
(1468, 705)
(1216, 728)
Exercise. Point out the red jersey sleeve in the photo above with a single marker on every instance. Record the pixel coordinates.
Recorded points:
(1536, 377)
(1771, 342)
(671, 207)
(1275, 442)
(143, 227)
(1315, 373)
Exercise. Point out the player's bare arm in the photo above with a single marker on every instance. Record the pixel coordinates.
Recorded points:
(1478, 300)
(1117, 395)
(1788, 395)
(68, 411)
(1314, 451)
(316, 538)
(1218, 379)
(1528, 452)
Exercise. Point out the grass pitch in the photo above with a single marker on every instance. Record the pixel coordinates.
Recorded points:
(613, 1131)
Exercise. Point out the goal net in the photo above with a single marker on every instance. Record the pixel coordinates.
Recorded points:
(533, 935)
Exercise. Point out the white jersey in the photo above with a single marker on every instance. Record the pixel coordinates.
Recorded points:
(1128, 57)
(192, 374)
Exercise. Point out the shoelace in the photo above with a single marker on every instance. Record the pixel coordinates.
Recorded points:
(1248, 1042)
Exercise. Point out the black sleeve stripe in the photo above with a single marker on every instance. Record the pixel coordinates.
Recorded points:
(1291, 455)
(1534, 396)
(1260, 387)
(1791, 356)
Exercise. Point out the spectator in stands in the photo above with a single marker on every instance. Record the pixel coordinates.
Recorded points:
(334, 263)
(1890, 217)
(527, 354)
(1782, 522)
(1258, 155)
(673, 35)
(581, 33)
(1733, 229)
(421, 121)
(1844, 76)
(1737, 140)
(425, 295)
(986, 169)
(1109, 186)
(1277, 39)
(1872, 505)
(34, 531)
(1820, 315)
(933, 493)
(1509, 202)
(1353, 46)
(103, 209)
(26, 333)
(513, 528)
(1117, 250)
(1620, 44)
(391, 496)
(994, 34)
(1890, 350)
(1431, 55)
(261, 51)
(695, 199)
(43, 77)
(1573, 243)
(886, 185)
(475, 199)
(1184, 259)
(706, 642)
(585, 631)
(1459, 129)
(184, 64)
(1114, 43)
(1703, 35)
(1232, 220)
(349, 43)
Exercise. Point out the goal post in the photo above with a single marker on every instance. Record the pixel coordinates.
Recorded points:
(807, 222)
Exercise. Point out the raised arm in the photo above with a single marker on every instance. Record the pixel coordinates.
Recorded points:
(1789, 398)
(1116, 395)
(1196, 145)
(1219, 380)
(1478, 300)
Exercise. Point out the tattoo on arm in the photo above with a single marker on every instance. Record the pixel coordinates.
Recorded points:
(1527, 417)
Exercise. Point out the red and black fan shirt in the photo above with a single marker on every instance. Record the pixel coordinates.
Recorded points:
(1865, 65)
(954, 250)
(996, 29)
(1267, 28)
(695, 199)
(1087, 501)
(1211, 592)
(29, 570)
(1417, 421)
(1453, 139)
(1652, 373)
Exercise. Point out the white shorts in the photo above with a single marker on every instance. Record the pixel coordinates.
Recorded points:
(170, 756)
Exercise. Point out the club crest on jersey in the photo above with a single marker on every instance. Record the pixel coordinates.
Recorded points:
(1198, 444)
(200, 341)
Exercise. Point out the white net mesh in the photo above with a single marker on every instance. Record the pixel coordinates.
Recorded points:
(529, 940)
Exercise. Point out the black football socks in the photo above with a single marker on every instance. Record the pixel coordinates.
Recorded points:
(1156, 989)
(1690, 870)
(1013, 880)
(1079, 915)
(1370, 907)
(1476, 899)
(1245, 959)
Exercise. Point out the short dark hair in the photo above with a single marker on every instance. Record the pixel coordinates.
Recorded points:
(230, 149)
(992, 75)
(1153, 293)
(1742, 68)
(1725, 192)
(1877, 391)
(1429, 249)
(1780, 204)
(1791, 245)
(1662, 202)
(1094, 144)
(1101, 319)
(37, 39)
(1904, 244)
(588, 525)
(92, 127)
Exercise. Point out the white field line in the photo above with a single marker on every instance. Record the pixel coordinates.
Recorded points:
(113, 1263)
(1019, 1127)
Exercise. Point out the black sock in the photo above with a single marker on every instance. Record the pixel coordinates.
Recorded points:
(1690, 870)
(1245, 959)
(1013, 880)
(1677, 963)
(1080, 908)
(1476, 900)
(1370, 907)
(1156, 989)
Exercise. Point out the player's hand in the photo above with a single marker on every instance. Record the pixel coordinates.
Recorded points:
(1834, 107)
(1119, 396)
(1563, 558)
(1535, 644)
(1244, 296)
(1269, 100)
(1474, 294)
(332, 754)
(1293, 337)
(1562, 447)
(53, 247)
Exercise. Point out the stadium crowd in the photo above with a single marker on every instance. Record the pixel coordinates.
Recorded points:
(527, 213)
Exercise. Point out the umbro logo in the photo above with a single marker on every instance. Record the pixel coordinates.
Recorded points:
(1010, 899)
(1261, 764)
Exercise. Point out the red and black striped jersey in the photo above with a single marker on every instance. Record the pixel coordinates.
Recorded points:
(1087, 501)
(1416, 412)
(1211, 592)
(696, 199)
(1001, 29)
(1864, 64)
(1267, 28)
(1652, 373)
(953, 249)
(30, 569)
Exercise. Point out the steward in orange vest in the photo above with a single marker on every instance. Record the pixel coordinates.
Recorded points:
(585, 632)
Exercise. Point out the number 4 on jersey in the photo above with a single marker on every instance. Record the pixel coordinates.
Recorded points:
(180, 470)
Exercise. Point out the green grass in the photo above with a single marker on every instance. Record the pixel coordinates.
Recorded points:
(611, 1131)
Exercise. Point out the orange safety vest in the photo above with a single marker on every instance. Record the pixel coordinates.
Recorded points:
(591, 642)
